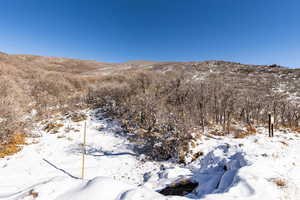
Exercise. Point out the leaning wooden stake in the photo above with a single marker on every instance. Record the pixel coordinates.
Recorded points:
(83, 150)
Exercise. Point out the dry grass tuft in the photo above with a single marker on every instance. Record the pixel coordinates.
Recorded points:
(77, 117)
(53, 127)
(250, 130)
(197, 155)
(193, 144)
(216, 133)
(9, 149)
(19, 138)
(197, 135)
(33, 194)
(284, 143)
(241, 135)
(13, 146)
(296, 129)
(181, 157)
(280, 183)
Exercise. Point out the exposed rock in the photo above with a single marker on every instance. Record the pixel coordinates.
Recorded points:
(181, 188)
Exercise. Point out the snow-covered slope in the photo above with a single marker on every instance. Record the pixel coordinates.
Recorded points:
(256, 167)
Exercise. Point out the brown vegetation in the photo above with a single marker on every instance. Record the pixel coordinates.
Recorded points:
(280, 183)
(14, 145)
(33, 194)
(77, 117)
(240, 133)
(197, 155)
(284, 143)
(53, 127)
(31, 87)
(168, 101)
(296, 129)
(173, 106)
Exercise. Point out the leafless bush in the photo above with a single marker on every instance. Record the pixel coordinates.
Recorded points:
(169, 107)
(168, 101)
(29, 83)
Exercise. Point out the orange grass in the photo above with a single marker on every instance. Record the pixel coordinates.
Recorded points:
(14, 146)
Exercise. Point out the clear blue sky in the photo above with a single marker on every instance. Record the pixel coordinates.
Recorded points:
(247, 31)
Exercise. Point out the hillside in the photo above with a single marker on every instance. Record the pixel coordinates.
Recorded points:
(39, 82)
(192, 130)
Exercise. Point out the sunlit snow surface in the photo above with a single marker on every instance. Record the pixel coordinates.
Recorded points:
(229, 169)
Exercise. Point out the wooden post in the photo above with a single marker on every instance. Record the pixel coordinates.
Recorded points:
(272, 130)
(83, 150)
(272, 126)
(270, 135)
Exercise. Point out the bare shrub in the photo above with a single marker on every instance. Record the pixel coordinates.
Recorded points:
(169, 101)
(169, 107)
(280, 183)
(29, 83)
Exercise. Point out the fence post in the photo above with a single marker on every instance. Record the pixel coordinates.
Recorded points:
(83, 150)
(270, 135)
(272, 126)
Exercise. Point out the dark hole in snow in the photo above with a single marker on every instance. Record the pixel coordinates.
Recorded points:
(181, 188)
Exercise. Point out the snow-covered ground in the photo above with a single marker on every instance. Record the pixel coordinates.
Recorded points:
(256, 167)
